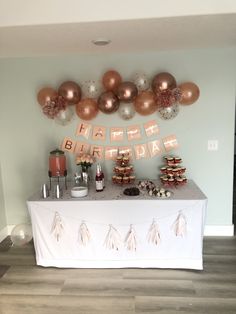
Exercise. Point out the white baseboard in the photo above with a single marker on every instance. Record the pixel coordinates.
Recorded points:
(210, 230)
(214, 230)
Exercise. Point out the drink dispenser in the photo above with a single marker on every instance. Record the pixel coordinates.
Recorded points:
(57, 165)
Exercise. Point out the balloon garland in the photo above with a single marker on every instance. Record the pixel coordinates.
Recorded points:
(124, 97)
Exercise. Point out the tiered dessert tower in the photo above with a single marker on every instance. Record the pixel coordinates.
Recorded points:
(172, 174)
(123, 171)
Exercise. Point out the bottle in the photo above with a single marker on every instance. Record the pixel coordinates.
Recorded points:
(98, 179)
(102, 174)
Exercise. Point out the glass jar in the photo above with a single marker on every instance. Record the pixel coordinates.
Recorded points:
(57, 163)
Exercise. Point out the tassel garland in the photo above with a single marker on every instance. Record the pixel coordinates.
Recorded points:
(180, 225)
(84, 235)
(154, 236)
(131, 239)
(113, 239)
(57, 226)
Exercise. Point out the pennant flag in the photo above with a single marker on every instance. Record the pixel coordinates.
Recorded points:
(99, 133)
(68, 145)
(133, 132)
(83, 129)
(116, 134)
(151, 128)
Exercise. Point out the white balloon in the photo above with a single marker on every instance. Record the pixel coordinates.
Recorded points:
(126, 110)
(64, 117)
(21, 234)
(141, 81)
(91, 89)
(168, 113)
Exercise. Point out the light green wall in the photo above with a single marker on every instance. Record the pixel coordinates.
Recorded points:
(27, 136)
(3, 221)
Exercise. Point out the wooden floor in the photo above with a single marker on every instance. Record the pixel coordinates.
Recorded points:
(28, 289)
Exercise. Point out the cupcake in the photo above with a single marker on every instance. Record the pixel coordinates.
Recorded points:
(163, 170)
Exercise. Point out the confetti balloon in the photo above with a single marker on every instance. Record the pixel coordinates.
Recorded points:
(126, 111)
(90, 89)
(141, 81)
(21, 234)
(168, 113)
(64, 117)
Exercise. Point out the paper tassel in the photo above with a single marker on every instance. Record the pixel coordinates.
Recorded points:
(131, 240)
(180, 225)
(154, 234)
(84, 235)
(113, 239)
(57, 226)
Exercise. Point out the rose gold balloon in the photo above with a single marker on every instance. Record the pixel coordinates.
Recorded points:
(163, 81)
(46, 95)
(127, 91)
(189, 93)
(145, 103)
(71, 91)
(87, 109)
(108, 102)
(111, 80)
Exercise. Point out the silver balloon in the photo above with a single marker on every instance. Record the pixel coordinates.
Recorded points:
(64, 117)
(126, 110)
(21, 234)
(91, 89)
(141, 81)
(168, 113)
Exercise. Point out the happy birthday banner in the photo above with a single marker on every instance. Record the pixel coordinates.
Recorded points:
(117, 134)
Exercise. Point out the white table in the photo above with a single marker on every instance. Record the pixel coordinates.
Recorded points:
(111, 207)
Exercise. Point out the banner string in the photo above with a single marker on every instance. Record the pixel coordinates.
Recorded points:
(157, 218)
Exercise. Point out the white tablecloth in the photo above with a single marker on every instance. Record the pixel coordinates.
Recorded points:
(111, 207)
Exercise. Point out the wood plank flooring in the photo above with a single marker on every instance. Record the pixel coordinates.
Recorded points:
(29, 289)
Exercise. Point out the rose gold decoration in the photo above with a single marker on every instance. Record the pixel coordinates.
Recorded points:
(99, 133)
(125, 150)
(54, 107)
(154, 148)
(133, 132)
(68, 145)
(108, 102)
(127, 91)
(46, 95)
(71, 91)
(141, 151)
(170, 142)
(163, 81)
(111, 80)
(81, 148)
(111, 152)
(189, 93)
(145, 103)
(97, 151)
(83, 129)
(87, 109)
(151, 128)
(116, 134)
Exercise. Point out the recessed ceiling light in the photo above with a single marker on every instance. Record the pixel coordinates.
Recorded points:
(101, 41)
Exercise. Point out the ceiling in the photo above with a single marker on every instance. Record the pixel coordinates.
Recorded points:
(174, 33)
